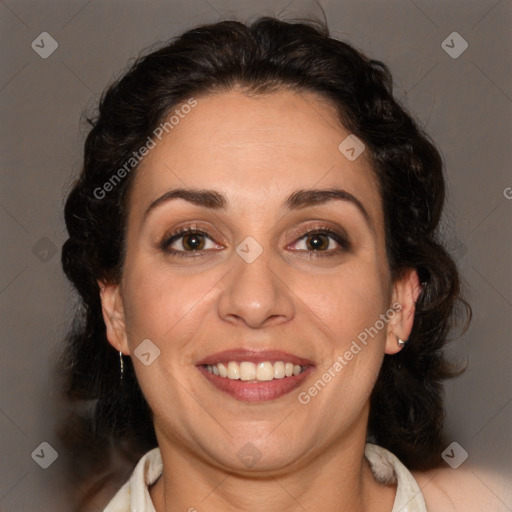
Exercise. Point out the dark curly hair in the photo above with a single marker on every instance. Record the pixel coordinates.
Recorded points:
(406, 411)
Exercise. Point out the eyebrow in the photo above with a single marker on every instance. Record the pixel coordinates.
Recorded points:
(304, 198)
(296, 201)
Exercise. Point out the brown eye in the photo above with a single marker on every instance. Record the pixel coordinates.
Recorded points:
(193, 242)
(317, 242)
(188, 242)
(322, 242)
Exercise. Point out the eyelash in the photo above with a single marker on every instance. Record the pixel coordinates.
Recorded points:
(167, 241)
(340, 239)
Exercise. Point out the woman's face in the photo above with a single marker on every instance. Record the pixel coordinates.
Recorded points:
(285, 263)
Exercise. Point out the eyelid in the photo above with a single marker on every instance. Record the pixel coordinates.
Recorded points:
(338, 234)
(169, 238)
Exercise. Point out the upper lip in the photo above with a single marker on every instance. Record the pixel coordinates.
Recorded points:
(254, 356)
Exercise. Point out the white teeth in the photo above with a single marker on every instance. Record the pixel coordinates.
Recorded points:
(279, 372)
(233, 370)
(223, 371)
(248, 371)
(265, 371)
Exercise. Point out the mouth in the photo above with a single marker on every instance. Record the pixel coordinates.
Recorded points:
(255, 376)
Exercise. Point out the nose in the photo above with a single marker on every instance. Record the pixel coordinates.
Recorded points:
(255, 295)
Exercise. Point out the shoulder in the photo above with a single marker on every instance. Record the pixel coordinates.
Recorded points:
(465, 489)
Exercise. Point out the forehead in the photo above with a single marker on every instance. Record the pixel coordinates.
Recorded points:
(253, 148)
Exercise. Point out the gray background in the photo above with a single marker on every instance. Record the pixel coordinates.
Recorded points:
(465, 103)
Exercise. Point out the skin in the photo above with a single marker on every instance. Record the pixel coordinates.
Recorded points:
(256, 151)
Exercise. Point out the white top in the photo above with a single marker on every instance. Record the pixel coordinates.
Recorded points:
(134, 495)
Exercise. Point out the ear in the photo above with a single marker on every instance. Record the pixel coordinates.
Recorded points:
(406, 290)
(113, 315)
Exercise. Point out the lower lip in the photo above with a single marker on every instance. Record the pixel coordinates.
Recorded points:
(256, 391)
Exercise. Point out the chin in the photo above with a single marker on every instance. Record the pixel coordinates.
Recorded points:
(248, 455)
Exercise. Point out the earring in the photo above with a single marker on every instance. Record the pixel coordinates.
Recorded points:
(401, 343)
(121, 364)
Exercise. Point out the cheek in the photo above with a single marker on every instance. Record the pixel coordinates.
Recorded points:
(346, 301)
(347, 307)
(169, 310)
(165, 306)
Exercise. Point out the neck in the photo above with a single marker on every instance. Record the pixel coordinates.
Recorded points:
(339, 480)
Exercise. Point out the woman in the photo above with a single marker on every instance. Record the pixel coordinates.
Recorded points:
(253, 237)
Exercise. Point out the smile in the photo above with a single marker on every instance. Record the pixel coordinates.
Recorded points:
(248, 371)
(255, 376)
